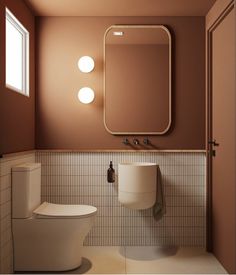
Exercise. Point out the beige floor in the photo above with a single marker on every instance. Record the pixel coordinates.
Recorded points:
(147, 260)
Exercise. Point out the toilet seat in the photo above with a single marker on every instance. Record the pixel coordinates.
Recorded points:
(50, 210)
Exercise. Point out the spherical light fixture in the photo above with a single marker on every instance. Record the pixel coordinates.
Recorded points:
(86, 64)
(86, 95)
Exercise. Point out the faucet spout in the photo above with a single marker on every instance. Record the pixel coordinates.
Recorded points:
(135, 141)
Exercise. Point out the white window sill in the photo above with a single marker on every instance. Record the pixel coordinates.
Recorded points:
(17, 90)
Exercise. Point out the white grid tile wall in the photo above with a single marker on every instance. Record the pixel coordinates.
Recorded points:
(80, 178)
(6, 253)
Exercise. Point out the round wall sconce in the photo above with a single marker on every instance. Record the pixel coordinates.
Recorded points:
(86, 64)
(86, 95)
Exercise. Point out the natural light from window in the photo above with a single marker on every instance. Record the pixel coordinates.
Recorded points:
(17, 39)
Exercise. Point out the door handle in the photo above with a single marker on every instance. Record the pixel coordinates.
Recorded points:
(213, 142)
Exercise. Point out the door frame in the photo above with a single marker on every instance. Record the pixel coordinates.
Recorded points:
(209, 136)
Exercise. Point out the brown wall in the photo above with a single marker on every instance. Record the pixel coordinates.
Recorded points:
(17, 112)
(64, 123)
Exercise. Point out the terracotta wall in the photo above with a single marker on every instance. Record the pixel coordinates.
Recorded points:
(17, 112)
(64, 123)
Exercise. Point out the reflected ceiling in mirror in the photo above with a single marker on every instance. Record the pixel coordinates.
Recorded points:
(137, 80)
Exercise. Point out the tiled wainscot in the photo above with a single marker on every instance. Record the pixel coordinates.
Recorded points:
(80, 178)
(6, 163)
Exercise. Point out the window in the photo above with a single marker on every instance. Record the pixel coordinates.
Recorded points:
(17, 55)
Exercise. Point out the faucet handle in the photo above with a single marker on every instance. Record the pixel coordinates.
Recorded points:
(125, 141)
(146, 141)
(135, 141)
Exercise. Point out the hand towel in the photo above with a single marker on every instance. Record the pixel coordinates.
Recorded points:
(159, 208)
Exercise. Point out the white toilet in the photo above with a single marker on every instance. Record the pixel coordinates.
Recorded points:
(46, 237)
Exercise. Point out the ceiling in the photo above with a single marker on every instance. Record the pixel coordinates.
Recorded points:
(120, 7)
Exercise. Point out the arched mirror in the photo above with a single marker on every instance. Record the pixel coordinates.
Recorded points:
(137, 80)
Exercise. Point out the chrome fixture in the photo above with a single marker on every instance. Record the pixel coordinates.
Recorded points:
(135, 141)
(146, 141)
(125, 141)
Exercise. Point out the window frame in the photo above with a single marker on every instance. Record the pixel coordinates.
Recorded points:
(10, 17)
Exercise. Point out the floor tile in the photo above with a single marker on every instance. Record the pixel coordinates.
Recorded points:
(105, 259)
(145, 260)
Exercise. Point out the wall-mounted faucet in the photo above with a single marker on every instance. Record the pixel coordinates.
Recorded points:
(135, 141)
(146, 141)
(125, 141)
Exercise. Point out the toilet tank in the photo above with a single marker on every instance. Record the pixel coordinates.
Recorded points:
(26, 189)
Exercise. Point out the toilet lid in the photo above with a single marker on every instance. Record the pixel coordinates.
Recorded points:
(47, 209)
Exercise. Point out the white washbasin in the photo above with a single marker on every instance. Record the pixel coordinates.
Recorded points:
(137, 184)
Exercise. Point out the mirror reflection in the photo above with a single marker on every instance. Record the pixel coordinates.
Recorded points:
(137, 79)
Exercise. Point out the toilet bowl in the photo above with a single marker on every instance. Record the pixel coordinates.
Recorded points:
(47, 236)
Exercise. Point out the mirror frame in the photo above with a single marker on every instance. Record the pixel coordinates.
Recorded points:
(170, 78)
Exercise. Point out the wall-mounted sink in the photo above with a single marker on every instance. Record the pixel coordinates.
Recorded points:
(137, 184)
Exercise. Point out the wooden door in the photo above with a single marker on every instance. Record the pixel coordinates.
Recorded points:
(223, 140)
